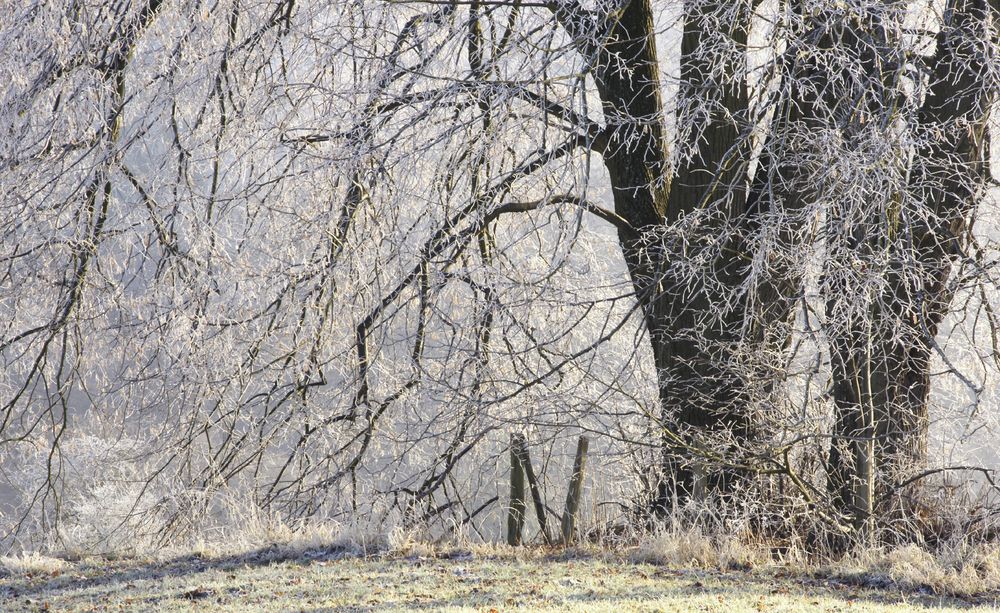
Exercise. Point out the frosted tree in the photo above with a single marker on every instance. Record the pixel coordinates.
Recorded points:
(329, 255)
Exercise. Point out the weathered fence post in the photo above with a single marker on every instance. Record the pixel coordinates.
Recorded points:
(521, 444)
(575, 493)
(515, 513)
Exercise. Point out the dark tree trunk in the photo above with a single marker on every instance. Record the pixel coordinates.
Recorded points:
(881, 361)
(698, 394)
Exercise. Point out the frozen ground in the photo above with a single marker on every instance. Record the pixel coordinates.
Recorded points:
(330, 580)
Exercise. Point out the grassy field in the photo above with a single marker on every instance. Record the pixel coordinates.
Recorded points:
(322, 580)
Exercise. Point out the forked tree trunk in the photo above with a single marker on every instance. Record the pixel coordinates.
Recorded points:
(881, 363)
(702, 399)
(951, 170)
(696, 392)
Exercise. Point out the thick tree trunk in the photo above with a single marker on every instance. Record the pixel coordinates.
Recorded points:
(701, 394)
(856, 326)
(697, 393)
(881, 362)
(951, 169)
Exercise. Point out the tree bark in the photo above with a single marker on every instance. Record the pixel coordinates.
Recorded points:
(881, 363)
(696, 392)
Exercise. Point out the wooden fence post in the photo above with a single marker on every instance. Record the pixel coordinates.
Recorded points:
(575, 493)
(521, 444)
(515, 513)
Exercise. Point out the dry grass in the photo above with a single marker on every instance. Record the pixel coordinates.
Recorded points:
(331, 579)
(960, 571)
(337, 567)
(693, 549)
(31, 564)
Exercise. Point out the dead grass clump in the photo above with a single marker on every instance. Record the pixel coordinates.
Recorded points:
(409, 543)
(32, 564)
(963, 570)
(418, 543)
(677, 548)
(693, 548)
